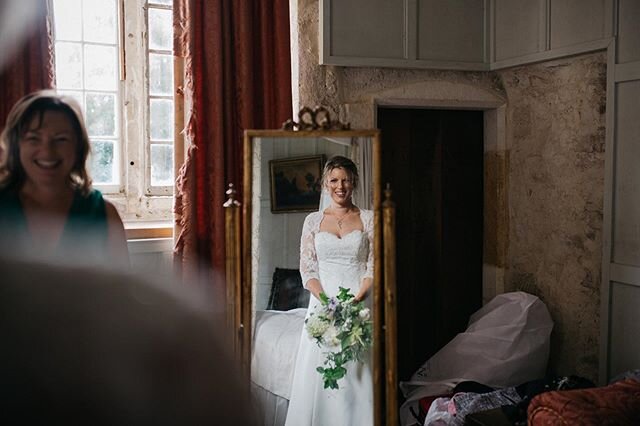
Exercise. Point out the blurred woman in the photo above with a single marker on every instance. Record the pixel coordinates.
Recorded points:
(47, 205)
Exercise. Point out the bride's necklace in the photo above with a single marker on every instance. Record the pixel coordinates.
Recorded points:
(340, 219)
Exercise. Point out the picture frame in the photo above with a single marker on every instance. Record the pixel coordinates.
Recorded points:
(296, 183)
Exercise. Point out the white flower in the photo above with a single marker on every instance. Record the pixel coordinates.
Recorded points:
(316, 326)
(364, 314)
(347, 324)
(330, 336)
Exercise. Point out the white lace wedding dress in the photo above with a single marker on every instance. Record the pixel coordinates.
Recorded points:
(335, 262)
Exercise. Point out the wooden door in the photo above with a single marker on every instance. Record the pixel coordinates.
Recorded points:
(434, 162)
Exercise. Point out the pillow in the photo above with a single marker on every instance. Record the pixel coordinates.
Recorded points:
(287, 291)
(617, 404)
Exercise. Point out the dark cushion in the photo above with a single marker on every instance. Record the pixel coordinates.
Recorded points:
(287, 291)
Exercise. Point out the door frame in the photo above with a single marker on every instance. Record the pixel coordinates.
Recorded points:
(495, 206)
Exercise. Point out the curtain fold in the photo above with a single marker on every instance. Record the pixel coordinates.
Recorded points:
(237, 76)
(29, 67)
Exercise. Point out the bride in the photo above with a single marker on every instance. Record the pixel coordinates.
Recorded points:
(336, 250)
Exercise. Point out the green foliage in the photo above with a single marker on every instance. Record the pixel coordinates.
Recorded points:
(342, 323)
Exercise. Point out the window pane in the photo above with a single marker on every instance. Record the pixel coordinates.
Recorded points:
(101, 114)
(78, 96)
(165, 2)
(100, 67)
(102, 162)
(160, 29)
(68, 65)
(161, 165)
(67, 19)
(100, 21)
(161, 119)
(160, 75)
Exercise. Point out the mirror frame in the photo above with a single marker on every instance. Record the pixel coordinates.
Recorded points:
(243, 282)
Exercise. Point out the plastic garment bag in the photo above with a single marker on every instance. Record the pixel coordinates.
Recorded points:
(505, 344)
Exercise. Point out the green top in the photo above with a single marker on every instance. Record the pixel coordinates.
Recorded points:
(84, 235)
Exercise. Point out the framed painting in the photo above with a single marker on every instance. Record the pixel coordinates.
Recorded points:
(296, 184)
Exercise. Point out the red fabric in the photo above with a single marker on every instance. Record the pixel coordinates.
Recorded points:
(237, 77)
(617, 404)
(30, 67)
(425, 404)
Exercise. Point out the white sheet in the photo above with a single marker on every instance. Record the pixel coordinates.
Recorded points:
(506, 344)
(275, 345)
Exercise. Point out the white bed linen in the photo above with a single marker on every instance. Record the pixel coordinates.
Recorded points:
(275, 345)
(271, 408)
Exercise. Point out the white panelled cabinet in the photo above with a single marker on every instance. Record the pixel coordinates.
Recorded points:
(525, 31)
(404, 33)
(460, 34)
(619, 346)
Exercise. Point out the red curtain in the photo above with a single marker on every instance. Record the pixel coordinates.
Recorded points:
(30, 66)
(237, 64)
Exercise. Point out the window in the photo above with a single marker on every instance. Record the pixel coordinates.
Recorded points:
(115, 57)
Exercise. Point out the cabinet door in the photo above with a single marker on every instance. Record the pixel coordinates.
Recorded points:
(519, 28)
(628, 42)
(372, 29)
(573, 22)
(451, 30)
(622, 289)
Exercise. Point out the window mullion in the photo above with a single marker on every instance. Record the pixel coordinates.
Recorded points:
(133, 106)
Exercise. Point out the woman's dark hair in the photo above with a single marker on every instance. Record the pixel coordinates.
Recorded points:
(34, 105)
(340, 162)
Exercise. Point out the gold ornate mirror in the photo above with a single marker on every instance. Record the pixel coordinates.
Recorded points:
(282, 185)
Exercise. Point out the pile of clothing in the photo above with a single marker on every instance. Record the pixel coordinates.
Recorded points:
(472, 403)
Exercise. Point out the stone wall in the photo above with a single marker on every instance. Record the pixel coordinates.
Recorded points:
(556, 134)
(549, 176)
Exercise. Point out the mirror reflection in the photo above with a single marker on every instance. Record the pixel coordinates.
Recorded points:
(312, 264)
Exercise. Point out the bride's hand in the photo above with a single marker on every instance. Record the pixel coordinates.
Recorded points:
(364, 290)
(361, 296)
(314, 286)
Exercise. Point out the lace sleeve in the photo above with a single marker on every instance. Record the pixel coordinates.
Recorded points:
(308, 258)
(368, 227)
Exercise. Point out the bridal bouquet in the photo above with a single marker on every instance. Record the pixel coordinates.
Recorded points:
(343, 327)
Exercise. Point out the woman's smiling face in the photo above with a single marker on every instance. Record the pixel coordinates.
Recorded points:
(48, 148)
(340, 186)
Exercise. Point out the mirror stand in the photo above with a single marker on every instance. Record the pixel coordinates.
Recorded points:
(233, 269)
